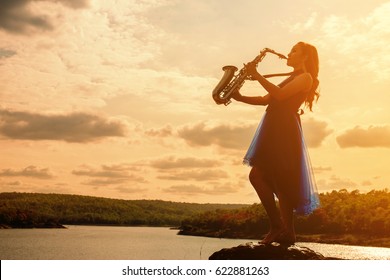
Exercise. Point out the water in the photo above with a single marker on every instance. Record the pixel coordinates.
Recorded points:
(138, 243)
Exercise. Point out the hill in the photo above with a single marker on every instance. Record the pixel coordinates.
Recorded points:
(26, 210)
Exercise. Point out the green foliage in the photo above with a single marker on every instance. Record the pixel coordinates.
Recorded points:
(354, 212)
(341, 212)
(244, 222)
(34, 209)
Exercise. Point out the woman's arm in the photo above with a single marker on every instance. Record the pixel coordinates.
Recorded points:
(252, 100)
(300, 83)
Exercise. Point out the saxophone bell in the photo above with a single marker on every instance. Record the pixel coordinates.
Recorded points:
(218, 93)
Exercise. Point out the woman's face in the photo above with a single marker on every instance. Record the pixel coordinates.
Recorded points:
(296, 57)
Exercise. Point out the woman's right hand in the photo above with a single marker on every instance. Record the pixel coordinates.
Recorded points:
(237, 95)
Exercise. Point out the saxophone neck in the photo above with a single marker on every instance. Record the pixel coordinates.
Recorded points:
(281, 56)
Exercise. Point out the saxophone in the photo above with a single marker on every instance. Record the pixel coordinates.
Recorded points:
(230, 82)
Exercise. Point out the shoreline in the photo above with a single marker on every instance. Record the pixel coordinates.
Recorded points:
(347, 239)
(30, 226)
(340, 239)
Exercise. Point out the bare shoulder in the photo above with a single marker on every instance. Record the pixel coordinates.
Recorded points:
(304, 79)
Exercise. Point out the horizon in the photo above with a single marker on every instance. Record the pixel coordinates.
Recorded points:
(188, 202)
(114, 100)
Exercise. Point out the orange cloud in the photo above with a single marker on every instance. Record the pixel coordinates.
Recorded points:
(162, 132)
(30, 171)
(17, 17)
(239, 136)
(198, 169)
(109, 175)
(184, 162)
(320, 169)
(197, 190)
(75, 127)
(334, 183)
(198, 175)
(222, 135)
(372, 136)
(4, 53)
(315, 132)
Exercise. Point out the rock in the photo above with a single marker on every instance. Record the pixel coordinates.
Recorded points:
(274, 251)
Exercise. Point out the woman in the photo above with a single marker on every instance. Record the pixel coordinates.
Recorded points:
(277, 154)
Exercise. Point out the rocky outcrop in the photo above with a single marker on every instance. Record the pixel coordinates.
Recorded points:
(274, 251)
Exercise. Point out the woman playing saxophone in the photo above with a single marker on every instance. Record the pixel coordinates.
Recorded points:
(277, 154)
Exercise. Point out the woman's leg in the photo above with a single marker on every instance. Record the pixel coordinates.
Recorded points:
(267, 198)
(287, 213)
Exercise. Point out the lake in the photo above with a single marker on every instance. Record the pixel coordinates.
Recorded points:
(139, 243)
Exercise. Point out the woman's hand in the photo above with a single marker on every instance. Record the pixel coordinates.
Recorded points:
(252, 70)
(237, 95)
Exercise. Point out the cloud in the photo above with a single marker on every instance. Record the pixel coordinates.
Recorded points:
(130, 190)
(198, 175)
(359, 43)
(74, 127)
(109, 175)
(315, 132)
(335, 182)
(4, 53)
(238, 136)
(172, 162)
(222, 135)
(17, 16)
(301, 27)
(320, 169)
(370, 137)
(366, 36)
(161, 132)
(367, 183)
(188, 168)
(198, 190)
(75, 4)
(30, 171)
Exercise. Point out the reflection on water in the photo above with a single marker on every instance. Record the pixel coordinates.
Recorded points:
(349, 252)
(138, 243)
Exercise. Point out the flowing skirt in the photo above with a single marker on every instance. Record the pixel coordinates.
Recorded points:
(279, 150)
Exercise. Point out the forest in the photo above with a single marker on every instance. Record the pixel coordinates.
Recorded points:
(28, 210)
(343, 217)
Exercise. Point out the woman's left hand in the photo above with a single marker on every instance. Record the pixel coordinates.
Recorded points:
(236, 95)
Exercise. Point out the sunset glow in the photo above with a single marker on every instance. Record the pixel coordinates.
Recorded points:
(113, 98)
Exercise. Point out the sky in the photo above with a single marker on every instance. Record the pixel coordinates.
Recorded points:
(113, 98)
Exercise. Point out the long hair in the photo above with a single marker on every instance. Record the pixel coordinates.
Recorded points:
(312, 66)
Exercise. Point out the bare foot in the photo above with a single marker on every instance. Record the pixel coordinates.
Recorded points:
(271, 236)
(286, 238)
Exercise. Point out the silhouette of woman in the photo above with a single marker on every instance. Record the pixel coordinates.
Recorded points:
(277, 154)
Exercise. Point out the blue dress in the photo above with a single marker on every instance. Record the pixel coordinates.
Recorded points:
(278, 149)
